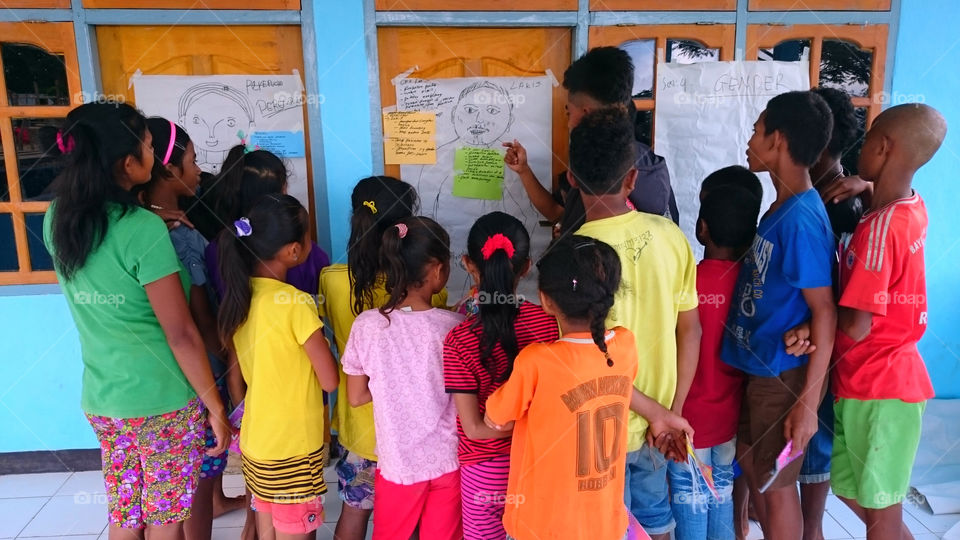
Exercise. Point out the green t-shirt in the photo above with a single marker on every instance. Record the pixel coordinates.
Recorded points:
(129, 370)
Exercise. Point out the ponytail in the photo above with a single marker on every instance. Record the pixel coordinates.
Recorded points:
(499, 246)
(244, 178)
(408, 247)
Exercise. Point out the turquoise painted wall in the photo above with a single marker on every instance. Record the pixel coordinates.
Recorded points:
(927, 68)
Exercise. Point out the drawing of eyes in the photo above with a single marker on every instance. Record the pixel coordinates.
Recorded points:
(470, 109)
(493, 109)
(231, 122)
(196, 119)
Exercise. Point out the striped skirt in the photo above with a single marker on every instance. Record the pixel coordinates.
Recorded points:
(286, 481)
(483, 490)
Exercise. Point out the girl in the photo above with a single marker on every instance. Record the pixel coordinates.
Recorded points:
(274, 334)
(244, 178)
(394, 357)
(569, 400)
(478, 357)
(347, 289)
(176, 174)
(144, 360)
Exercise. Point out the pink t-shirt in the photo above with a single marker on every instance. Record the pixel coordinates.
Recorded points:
(415, 418)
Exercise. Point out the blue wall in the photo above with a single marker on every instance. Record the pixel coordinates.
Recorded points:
(927, 69)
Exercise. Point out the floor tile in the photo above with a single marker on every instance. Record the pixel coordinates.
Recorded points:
(83, 482)
(16, 513)
(938, 524)
(832, 530)
(755, 532)
(69, 515)
(31, 485)
(332, 505)
(845, 517)
(231, 520)
(226, 533)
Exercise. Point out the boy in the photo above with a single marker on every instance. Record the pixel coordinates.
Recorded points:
(601, 78)
(785, 280)
(880, 379)
(726, 227)
(657, 299)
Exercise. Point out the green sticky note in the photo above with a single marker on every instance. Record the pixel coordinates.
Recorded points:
(478, 173)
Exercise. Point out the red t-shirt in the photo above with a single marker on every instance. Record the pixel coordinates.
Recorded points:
(713, 404)
(881, 272)
(463, 371)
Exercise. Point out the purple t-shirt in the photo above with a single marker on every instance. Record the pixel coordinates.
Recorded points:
(304, 276)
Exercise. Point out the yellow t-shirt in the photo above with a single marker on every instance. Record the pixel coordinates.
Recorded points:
(659, 280)
(283, 409)
(354, 425)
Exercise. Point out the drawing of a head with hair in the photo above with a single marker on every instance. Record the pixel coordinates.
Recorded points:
(212, 114)
(483, 113)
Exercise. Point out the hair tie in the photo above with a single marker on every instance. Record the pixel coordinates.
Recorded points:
(402, 229)
(243, 227)
(173, 139)
(65, 146)
(574, 284)
(371, 205)
(496, 242)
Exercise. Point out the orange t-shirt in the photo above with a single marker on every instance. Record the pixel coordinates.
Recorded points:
(569, 442)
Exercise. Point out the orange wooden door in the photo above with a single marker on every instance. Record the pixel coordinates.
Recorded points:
(472, 52)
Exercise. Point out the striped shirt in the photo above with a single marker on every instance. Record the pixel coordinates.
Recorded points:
(286, 481)
(464, 372)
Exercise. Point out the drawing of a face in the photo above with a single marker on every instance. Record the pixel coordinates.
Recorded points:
(482, 116)
(215, 132)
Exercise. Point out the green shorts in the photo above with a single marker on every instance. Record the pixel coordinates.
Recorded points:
(873, 450)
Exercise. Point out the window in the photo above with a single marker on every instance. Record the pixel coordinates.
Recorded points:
(38, 86)
(826, 5)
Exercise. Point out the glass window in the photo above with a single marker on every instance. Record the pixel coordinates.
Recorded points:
(38, 156)
(4, 187)
(686, 51)
(40, 258)
(643, 54)
(8, 246)
(793, 50)
(850, 158)
(643, 127)
(34, 76)
(845, 66)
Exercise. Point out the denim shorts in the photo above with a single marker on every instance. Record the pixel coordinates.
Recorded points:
(646, 494)
(816, 459)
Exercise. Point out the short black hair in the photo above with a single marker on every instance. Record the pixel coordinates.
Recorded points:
(735, 176)
(604, 73)
(602, 150)
(730, 213)
(805, 121)
(845, 124)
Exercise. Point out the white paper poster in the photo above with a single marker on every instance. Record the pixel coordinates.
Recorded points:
(266, 111)
(704, 118)
(473, 115)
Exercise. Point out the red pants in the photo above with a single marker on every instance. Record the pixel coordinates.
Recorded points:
(434, 504)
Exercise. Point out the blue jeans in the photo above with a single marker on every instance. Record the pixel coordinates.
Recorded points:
(816, 459)
(645, 491)
(700, 515)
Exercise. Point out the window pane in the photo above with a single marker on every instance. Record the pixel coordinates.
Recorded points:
(40, 258)
(38, 155)
(4, 187)
(794, 50)
(643, 55)
(34, 76)
(8, 245)
(643, 127)
(845, 66)
(685, 51)
(852, 155)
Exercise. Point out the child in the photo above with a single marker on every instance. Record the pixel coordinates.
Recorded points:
(657, 301)
(569, 401)
(726, 226)
(601, 78)
(176, 174)
(144, 360)
(378, 203)
(478, 357)
(394, 357)
(880, 380)
(785, 280)
(274, 335)
(244, 178)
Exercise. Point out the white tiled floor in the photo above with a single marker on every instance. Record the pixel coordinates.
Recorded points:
(73, 506)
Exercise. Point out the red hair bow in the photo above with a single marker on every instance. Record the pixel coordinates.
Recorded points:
(495, 242)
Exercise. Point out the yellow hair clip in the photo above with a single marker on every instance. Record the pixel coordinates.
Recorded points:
(371, 206)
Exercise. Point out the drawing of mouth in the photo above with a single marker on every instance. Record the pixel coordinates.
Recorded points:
(477, 130)
(212, 142)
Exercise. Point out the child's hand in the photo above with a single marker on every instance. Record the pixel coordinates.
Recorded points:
(797, 340)
(801, 425)
(674, 427)
(843, 189)
(493, 425)
(516, 157)
(222, 433)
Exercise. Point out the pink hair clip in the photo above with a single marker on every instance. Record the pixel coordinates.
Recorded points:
(496, 242)
(65, 144)
(402, 229)
(173, 138)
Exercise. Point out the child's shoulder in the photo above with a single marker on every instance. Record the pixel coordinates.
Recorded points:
(445, 317)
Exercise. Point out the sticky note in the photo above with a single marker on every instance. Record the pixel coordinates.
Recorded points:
(410, 138)
(478, 173)
(281, 143)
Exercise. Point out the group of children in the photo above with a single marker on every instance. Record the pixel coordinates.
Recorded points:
(617, 406)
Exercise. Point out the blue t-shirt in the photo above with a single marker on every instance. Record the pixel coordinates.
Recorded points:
(793, 250)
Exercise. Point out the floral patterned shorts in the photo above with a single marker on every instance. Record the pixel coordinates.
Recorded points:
(151, 465)
(355, 476)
